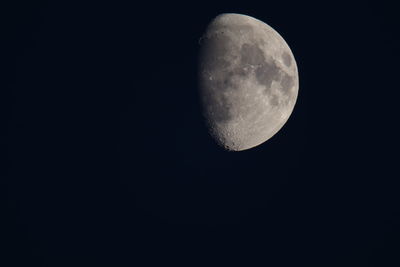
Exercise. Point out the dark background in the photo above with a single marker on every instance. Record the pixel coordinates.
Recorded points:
(105, 160)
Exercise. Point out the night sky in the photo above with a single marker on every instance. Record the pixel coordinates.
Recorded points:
(105, 159)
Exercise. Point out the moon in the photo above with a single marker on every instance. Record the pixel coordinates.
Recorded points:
(248, 81)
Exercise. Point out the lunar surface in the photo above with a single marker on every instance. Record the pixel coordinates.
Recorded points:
(248, 81)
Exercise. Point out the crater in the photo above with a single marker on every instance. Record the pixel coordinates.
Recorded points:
(287, 59)
(227, 81)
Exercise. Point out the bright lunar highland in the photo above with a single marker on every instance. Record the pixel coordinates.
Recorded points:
(248, 81)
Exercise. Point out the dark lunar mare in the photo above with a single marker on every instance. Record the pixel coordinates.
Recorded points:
(266, 69)
(287, 59)
(287, 83)
(251, 54)
(266, 73)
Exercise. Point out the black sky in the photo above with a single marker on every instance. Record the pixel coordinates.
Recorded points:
(106, 161)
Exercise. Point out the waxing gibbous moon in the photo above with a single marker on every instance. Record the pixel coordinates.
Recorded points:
(248, 81)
